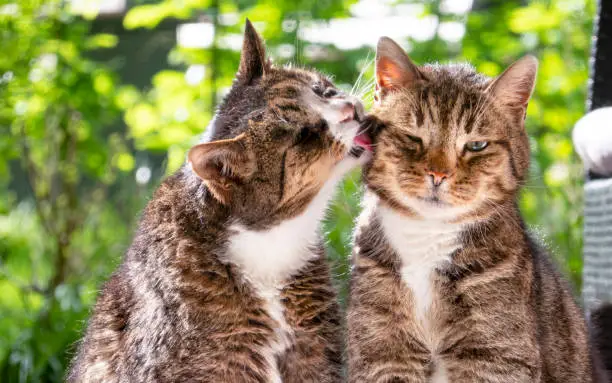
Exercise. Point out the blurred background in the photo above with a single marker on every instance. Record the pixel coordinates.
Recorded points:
(99, 101)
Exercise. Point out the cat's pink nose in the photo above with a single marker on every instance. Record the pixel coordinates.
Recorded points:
(347, 112)
(437, 177)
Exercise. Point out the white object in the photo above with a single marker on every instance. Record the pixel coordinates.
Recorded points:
(195, 35)
(597, 250)
(592, 137)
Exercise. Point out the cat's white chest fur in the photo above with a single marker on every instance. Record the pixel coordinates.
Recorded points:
(283, 333)
(268, 258)
(422, 246)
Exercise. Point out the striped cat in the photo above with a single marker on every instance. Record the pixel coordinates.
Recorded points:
(226, 279)
(447, 285)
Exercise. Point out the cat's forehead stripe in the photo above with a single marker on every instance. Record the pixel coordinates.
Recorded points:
(446, 108)
(439, 108)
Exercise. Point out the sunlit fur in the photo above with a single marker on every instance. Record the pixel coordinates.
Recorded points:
(294, 138)
(226, 279)
(447, 284)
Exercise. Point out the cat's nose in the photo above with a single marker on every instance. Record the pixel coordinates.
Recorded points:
(437, 177)
(359, 111)
(347, 112)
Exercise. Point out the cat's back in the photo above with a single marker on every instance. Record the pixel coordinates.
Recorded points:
(98, 355)
(113, 325)
(566, 353)
(139, 322)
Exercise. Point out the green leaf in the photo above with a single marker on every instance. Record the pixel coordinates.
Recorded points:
(534, 17)
(142, 119)
(124, 161)
(103, 83)
(150, 15)
(102, 40)
(127, 96)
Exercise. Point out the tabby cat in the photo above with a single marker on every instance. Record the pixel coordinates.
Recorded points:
(226, 279)
(447, 285)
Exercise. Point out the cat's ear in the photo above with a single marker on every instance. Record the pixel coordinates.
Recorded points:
(514, 87)
(222, 165)
(253, 63)
(394, 69)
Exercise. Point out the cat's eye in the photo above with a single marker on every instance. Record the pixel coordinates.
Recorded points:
(303, 135)
(311, 133)
(280, 133)
(322, 91)
(330, 92)
(476, 146)
(414, 139)
(318, 89)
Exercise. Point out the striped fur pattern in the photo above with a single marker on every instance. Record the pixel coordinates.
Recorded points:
(226, 279)
(447, 285)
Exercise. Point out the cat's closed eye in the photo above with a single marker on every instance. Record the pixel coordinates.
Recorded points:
(413, 145)
(414, 139)
(325, 92)
(303, 136)
(281, 133)
(330, 92)
(310, 133)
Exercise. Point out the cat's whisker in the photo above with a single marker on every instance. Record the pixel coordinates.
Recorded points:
(365, 88)
(361, 73)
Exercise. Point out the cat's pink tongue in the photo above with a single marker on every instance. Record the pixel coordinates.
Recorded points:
(364, 141)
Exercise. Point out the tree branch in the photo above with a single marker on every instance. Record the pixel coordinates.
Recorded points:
(32, 175)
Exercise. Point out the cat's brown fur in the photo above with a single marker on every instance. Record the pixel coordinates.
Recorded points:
(447, 285)
(194, 299)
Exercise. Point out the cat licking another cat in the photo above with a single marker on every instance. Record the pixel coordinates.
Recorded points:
(226, 279)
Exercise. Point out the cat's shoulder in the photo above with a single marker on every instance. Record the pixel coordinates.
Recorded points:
(548, 271)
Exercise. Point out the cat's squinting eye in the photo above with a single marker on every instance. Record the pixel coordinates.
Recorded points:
(310, 134)
(330, 92)
(414, 139)
(325, 92)
(476, 146)
(303, 135)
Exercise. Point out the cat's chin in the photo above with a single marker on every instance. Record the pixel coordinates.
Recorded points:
(435, 208)
(434, 201)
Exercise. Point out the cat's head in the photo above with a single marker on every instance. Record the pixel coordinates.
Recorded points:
(280, 134)
(450, 143)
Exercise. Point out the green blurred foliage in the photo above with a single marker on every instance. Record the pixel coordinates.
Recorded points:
(72, 137)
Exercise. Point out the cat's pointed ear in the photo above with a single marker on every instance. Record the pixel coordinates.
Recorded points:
(253, 63)
(514, 87)
(222, 165)
(394, 69)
